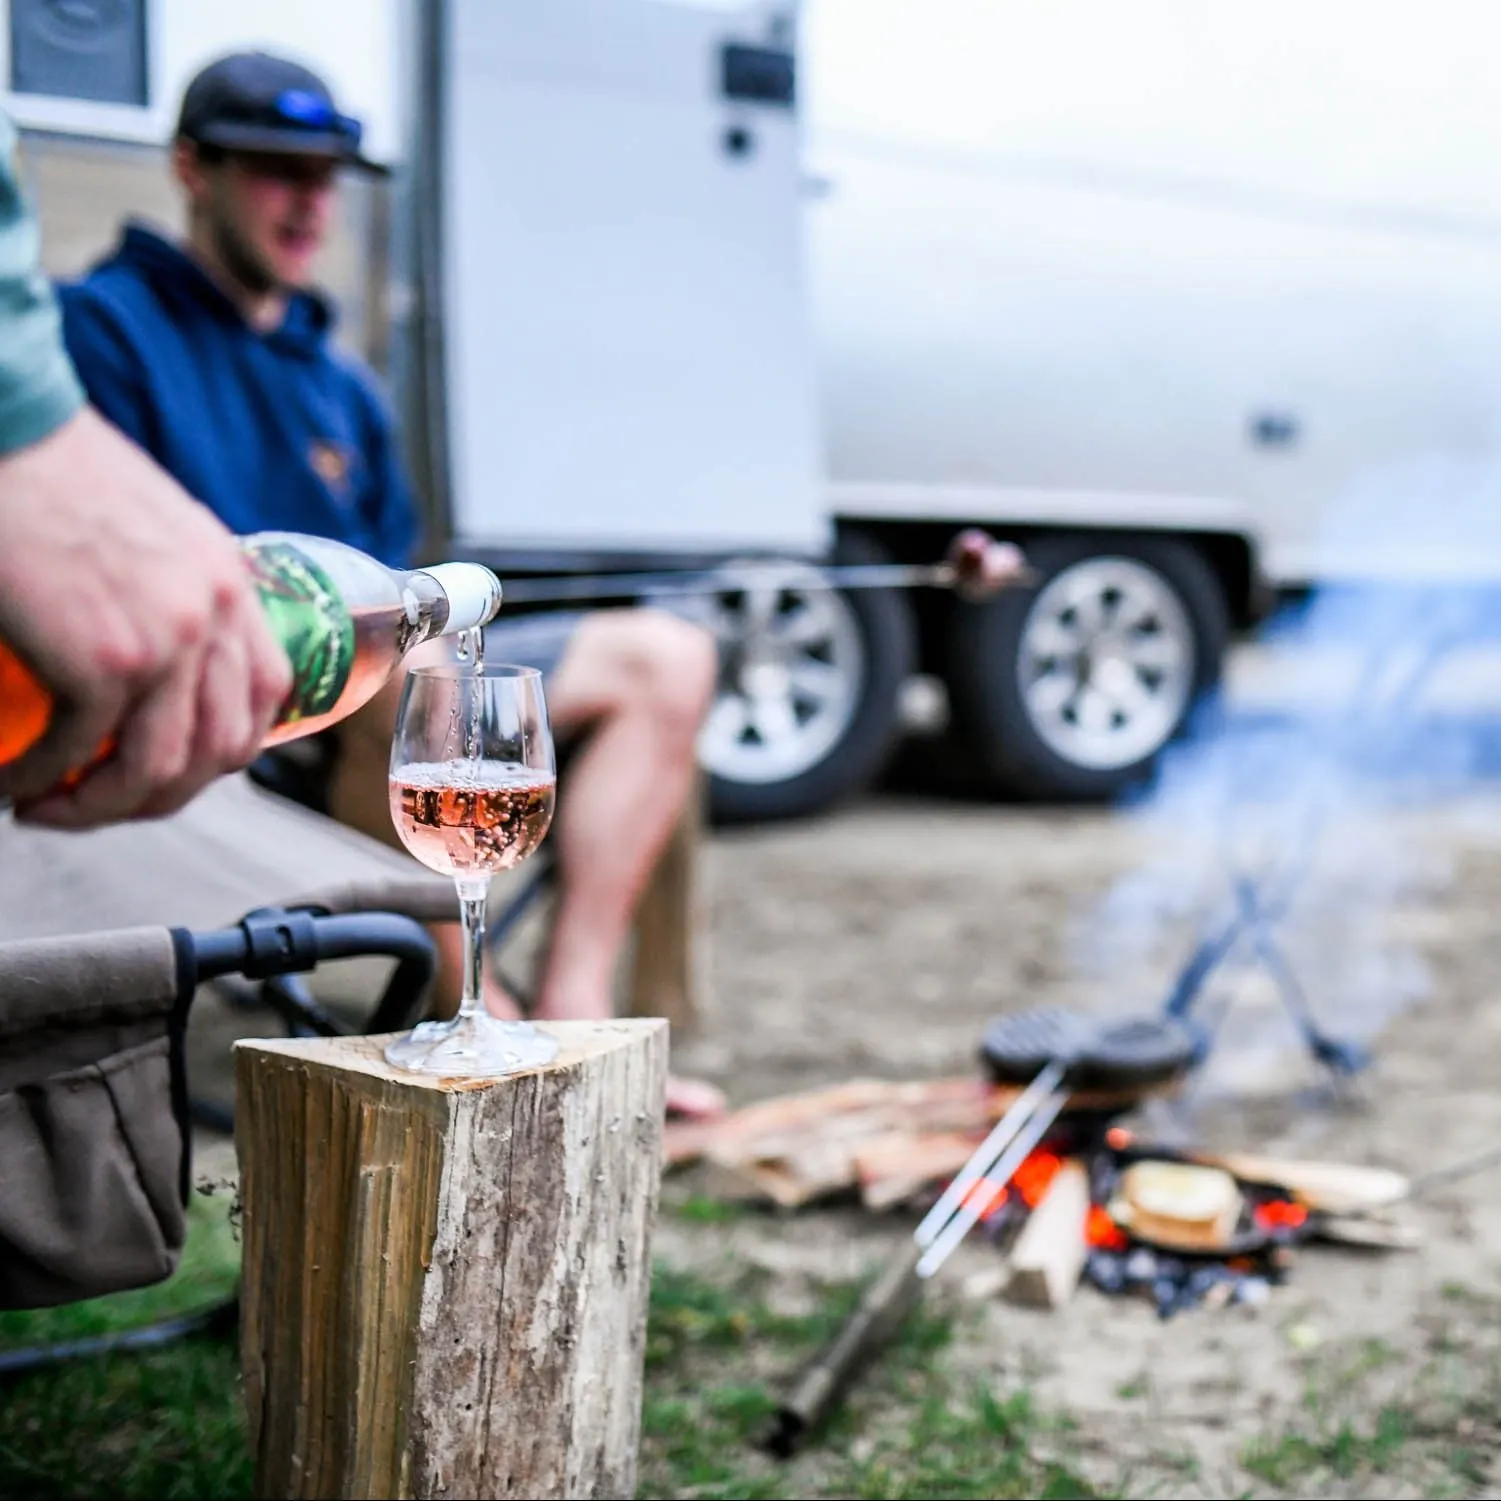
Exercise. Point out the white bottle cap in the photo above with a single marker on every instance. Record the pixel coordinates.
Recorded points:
(474, 594)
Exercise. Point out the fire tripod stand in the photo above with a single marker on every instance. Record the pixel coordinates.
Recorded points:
(1252, 922)
(1382, 707)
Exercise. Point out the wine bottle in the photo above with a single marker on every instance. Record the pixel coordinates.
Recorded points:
(344, 620)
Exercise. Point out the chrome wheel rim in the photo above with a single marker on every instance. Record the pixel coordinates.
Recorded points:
(1107, 663)
(792, 662)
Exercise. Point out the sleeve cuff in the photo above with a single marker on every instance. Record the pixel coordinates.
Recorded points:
(29, 416)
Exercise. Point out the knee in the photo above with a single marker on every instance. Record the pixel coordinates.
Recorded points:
(674, 667)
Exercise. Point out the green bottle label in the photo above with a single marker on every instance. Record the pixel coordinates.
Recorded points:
(312, 622)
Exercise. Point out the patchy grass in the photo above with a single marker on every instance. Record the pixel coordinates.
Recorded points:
(720, 1349)
(1345, 1451)
(718, 1354)
(700, 1209)
(168, 1422)
(1373, 1422)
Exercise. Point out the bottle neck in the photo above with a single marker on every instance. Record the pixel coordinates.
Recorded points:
(447, 598)
(424, 607)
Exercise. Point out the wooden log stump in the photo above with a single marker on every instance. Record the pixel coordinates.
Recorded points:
(670, 962)
(445, 1280)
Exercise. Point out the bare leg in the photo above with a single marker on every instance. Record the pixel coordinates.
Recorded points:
(637, 685)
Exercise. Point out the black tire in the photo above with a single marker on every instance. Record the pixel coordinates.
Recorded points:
(989, 716)
(888, 635)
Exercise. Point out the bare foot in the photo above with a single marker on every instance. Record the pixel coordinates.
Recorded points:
(693, 1099)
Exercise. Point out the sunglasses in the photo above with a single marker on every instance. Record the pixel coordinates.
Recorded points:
(313, 111)
(286, 167)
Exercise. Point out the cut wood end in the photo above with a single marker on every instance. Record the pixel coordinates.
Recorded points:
(578, 1041)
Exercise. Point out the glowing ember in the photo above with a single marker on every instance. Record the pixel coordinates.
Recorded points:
(1280, 1214)
(1102, 1232)
(1034, 1175)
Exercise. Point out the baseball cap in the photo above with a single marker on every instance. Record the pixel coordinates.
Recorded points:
(252, 101)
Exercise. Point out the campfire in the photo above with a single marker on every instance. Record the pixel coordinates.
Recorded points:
(1090, 1204)
(1053, 1189)
(1130, 1220)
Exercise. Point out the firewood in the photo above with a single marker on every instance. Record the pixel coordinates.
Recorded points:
(1336, 1187)
(685, 1141)
(789, 1181)
(859, 1109)
(1048, 1257)
(1381, 1232)
(897, 1165)
(752, 1182)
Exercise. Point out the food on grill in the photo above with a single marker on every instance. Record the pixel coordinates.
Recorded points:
(1178, 1204)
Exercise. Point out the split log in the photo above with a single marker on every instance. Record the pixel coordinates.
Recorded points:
(899, 1165)
(789, 1182)
(1336, 1187)
(1049, 1255)
(686, 1141)
(1379, 1232)
(859, 1110)
(445, 1280)
(669, 974)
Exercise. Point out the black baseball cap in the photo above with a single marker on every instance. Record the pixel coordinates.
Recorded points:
(252, 101)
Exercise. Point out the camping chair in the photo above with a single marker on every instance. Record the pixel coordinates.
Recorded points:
(95, 1099)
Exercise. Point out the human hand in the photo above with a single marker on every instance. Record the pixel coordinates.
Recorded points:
(982, 567)
(131, 604)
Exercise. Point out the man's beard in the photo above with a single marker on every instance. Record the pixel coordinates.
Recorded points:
(242, 263)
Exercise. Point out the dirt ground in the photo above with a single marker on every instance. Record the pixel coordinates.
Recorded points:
(881, 939)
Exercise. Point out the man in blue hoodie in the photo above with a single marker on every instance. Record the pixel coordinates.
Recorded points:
(215, 355)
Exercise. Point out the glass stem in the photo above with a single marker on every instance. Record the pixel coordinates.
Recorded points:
(472, 919)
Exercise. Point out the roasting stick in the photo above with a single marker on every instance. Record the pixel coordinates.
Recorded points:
(1052, 1053)
(1053, 1050)
(727, 580)
(976, 567)
(994, 1160)
(1438, 1177)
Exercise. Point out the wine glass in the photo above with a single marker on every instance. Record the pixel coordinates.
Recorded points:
(472, 785)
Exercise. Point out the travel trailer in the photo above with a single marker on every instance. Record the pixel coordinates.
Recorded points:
(1198, 306)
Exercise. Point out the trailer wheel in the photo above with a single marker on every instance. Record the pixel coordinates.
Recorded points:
(1073, 688)
(809, 686)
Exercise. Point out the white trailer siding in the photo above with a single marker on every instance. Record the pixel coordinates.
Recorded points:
(353, 43)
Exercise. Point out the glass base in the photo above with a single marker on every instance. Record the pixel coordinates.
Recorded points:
(472, 1047)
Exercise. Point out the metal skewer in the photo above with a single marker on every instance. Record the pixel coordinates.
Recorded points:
(1001, 1153)
(1049, 1053)
(695, 582)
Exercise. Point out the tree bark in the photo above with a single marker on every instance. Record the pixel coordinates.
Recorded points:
(446, 1280)
(670, 962)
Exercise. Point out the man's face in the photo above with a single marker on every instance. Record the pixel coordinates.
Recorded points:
(270, 213)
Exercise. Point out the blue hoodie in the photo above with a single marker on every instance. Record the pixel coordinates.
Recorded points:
(272, 431)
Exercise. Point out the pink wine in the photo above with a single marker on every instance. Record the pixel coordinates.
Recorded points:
(344, 620)
(471, 817)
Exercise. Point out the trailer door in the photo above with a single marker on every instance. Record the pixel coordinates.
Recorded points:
(627, 355)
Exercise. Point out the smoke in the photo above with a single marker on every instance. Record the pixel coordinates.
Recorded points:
(1327, 803)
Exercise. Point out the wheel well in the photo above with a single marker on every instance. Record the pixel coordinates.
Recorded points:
(1227, 553)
